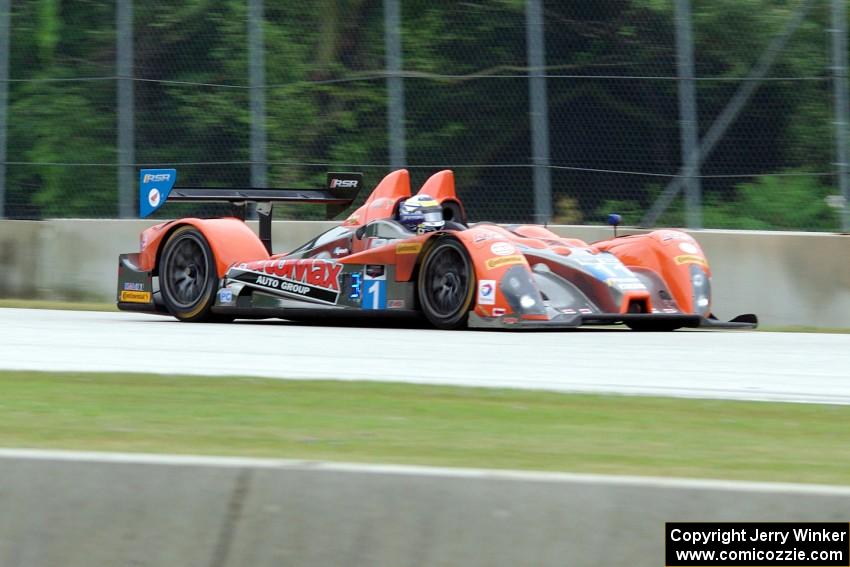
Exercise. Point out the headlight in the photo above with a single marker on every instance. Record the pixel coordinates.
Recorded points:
(521, 293)
(701, 289)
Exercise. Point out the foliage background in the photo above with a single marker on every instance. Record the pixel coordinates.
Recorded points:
(613, 110)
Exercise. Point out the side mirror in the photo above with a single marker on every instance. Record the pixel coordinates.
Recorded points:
(614, 220)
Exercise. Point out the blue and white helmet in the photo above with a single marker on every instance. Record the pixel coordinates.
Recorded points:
(421, 214)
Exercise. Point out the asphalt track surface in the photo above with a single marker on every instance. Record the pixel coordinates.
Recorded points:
(741, 365)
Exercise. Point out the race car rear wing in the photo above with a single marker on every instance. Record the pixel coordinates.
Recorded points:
(156, 186)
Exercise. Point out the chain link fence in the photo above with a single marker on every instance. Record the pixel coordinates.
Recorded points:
(764, 77)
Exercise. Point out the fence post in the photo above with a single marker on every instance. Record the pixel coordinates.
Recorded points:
(538, 110)
(124, 67)
(688, 125)
(5, 8)
(257, 71)
(395, 83)
(839, 78)
(731, 111)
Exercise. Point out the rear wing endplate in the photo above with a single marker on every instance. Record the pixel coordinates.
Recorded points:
(156, 186)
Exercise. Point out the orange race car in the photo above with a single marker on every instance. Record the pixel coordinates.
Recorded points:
(402, 255)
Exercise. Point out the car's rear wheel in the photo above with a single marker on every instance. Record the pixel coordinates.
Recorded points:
(445, 284)
(187, 275)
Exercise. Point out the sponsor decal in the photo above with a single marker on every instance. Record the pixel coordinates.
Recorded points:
(135, 296)
(156, 177)
(353, 219)
(502, 249)
(374, 270)
(356, 285)
(626, 284)
(408, 248)
(494, 263)
(483, 235)
(343, 183)
(340, 251)
(589, 258)
(691, 259)
(134, 286)
(499, 311)
(668, 310)
(486, 292)
(688, 248)
(225, 296)
(314, 279)
(153, 196)
(395, 304)
(510, 320)
(667, 235)
(569, 311)
(585, 311)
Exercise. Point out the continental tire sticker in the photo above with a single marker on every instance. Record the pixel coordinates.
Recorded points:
(691, 259)
(409, 248)
(135, 296)
(494, 263)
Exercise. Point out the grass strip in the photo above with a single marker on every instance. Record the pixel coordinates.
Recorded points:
(429, 425)
(51, 304)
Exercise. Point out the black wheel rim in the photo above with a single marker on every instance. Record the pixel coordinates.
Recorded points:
(187, 272)
(447, 282)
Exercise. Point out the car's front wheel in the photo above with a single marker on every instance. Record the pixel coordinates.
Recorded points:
(187, 275)
(445, 284)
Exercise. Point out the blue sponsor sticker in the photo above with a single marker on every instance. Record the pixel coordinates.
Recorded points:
(225, 296)
(154, 187)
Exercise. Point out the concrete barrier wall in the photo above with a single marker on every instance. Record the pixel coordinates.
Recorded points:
(19, 249)
(90, 510)
(785, 278)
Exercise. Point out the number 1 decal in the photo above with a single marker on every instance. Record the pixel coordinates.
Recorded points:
(376, 294)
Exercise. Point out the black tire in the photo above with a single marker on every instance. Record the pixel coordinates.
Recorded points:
(187, 276)
(446, 284)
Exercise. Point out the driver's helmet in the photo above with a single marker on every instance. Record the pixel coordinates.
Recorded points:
(421, 214)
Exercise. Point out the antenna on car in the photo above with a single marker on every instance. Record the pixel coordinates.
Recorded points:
(614, 220)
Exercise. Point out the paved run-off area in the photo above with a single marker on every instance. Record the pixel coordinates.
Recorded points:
(728, 365)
